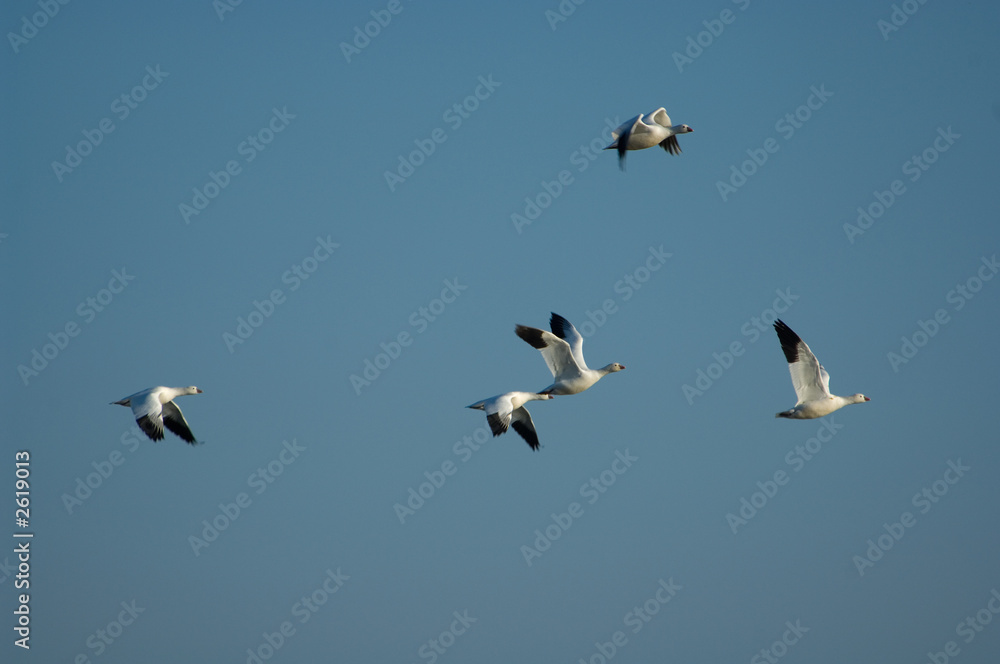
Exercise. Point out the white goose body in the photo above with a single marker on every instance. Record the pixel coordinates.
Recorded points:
(810, 380)
(562, 350)
(154, 408)
(507, 410)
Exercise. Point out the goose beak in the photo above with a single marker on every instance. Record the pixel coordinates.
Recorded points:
(198, 392)
(867, 399)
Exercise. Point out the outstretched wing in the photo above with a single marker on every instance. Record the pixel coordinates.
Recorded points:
(660, 117)
(555, 351)
(564, 329)
(174, 420)
(809, 378)
(523, 425)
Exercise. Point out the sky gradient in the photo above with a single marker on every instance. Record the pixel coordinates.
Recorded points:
(330, 219)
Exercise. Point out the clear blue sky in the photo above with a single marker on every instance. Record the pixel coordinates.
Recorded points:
(263, 201)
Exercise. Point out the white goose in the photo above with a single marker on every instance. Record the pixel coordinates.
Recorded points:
(154, 408)
(810, 379)
(645, 131)
(562, 350)
(507, 410)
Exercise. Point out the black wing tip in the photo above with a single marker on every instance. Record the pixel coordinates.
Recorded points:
(532, 335)
(148, 426)
(623, 147)
(496, 424)
(559, 325)
(789, 341)
(528, 434)
(671, 145)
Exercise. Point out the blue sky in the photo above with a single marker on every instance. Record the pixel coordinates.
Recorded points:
(264, 204)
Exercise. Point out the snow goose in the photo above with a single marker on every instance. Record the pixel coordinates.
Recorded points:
(645, 131)
(154, 408)
(507, 410)
(810, 379)
(562, 350)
